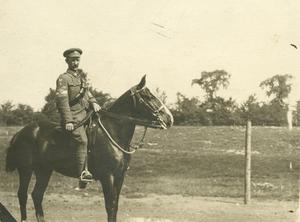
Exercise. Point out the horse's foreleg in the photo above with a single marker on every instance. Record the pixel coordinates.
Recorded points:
(119, 182)
(24, 177)
(42, 179)
(111, 196)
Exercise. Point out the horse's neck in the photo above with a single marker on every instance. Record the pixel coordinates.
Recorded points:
(122, 131)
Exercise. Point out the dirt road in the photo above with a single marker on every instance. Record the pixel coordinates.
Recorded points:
(155, 208)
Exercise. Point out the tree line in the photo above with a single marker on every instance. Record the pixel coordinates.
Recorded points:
(211, 110)
(216, 110)
(20, 114)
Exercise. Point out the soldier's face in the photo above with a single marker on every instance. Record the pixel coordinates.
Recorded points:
(73, 62)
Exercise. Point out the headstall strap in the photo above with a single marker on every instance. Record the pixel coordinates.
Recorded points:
(136, 96)
(133, 97)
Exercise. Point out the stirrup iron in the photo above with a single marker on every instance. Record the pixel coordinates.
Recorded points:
(83, 174)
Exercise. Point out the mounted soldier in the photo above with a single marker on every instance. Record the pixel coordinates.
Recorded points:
(35, 149)
(73, 99)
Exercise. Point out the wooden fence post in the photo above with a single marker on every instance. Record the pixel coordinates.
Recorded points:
(247, 185)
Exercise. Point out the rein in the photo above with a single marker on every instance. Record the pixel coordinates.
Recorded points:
(144, 123)
(141, 143)
(137, 121)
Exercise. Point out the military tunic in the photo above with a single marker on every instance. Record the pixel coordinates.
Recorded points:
(72, 109)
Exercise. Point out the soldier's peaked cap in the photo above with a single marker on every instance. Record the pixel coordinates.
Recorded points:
(72, 52)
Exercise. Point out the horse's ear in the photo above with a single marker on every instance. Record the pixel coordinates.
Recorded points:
(142, 83)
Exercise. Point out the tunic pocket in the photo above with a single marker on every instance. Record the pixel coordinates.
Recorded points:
(74, 89)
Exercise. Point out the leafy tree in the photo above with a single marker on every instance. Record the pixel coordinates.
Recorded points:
(224, 112)
(269, 114)
(6, 113)
(50, 110)
(211, 82)
(251, 109)
(277, 86)
(189, 112)
(23, 114)
(11, 115)
(161, 95)
(273, 114)
(296, 116)
(185, 104)
(221, 111)
(103, 99)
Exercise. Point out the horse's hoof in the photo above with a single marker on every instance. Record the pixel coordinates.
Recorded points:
(40, 219)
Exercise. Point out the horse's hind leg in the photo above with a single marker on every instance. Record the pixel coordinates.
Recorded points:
(24, 177)
(42, 179)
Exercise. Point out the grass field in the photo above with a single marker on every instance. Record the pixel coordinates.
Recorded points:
(197, 161)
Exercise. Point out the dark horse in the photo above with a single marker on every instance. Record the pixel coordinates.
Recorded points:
(34, 149)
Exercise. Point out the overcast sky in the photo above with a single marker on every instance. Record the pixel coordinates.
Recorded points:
(170, 41)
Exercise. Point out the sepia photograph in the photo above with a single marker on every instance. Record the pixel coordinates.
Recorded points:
(150, 111)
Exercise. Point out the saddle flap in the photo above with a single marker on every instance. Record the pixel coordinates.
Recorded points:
(53, 133)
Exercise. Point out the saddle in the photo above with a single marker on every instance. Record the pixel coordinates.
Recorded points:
(53, 133)
(57, 136)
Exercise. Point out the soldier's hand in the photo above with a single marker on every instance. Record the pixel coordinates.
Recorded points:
(69, 126)
(96, 107)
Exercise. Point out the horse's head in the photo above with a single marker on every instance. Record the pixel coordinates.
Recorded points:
(149, 107)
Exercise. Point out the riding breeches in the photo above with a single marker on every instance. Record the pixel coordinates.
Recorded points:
(79, 144)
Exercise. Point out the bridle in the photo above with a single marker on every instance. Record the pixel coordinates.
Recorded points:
(135, 94)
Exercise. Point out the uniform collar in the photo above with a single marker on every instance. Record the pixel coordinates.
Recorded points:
(73, 73)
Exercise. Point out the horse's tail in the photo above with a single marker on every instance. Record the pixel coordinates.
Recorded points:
(21, 148)
(10, 154)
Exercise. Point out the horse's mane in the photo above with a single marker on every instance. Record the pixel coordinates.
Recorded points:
(110, 105)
